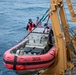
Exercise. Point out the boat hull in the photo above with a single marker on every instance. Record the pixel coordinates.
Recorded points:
(28, 62)
(41, 55)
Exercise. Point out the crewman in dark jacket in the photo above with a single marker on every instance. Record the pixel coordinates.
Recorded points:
(46, 28)
(50, 40)
(30, 25)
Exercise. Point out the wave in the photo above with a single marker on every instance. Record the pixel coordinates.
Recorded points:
(30, 8)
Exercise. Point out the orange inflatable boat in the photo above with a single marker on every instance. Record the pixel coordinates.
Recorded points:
(30, 53)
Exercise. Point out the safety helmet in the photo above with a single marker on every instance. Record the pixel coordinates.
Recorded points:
(37, 17)
(30, 20)
(45, 24)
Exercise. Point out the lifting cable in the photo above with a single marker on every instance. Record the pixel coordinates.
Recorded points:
(70, 44)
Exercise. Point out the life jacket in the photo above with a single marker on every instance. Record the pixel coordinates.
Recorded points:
(30, 27)
(36, 21)
(33, 25)
(39, 25)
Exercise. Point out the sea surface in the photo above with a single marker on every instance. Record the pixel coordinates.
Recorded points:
(14, 15)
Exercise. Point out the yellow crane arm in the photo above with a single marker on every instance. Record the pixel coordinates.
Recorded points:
(61, 30)
(72, 12)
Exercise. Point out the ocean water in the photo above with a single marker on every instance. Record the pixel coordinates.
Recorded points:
(14, 15)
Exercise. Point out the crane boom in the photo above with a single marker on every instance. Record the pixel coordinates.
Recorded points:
(65, 44)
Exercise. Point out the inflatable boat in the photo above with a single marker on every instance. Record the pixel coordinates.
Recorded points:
(31, 53)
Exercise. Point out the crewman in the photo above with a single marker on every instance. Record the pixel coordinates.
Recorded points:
(50, 39)
(37, 20)
(46, 28)
(38, 23)
(30, 25)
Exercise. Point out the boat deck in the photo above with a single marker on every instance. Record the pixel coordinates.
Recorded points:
(36, 44)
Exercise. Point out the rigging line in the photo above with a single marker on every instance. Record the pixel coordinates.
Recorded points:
(70, 44)
(72, 31)
(45, 17)
(48, 18)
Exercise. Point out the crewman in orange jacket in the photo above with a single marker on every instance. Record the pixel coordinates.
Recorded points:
(30, 25)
